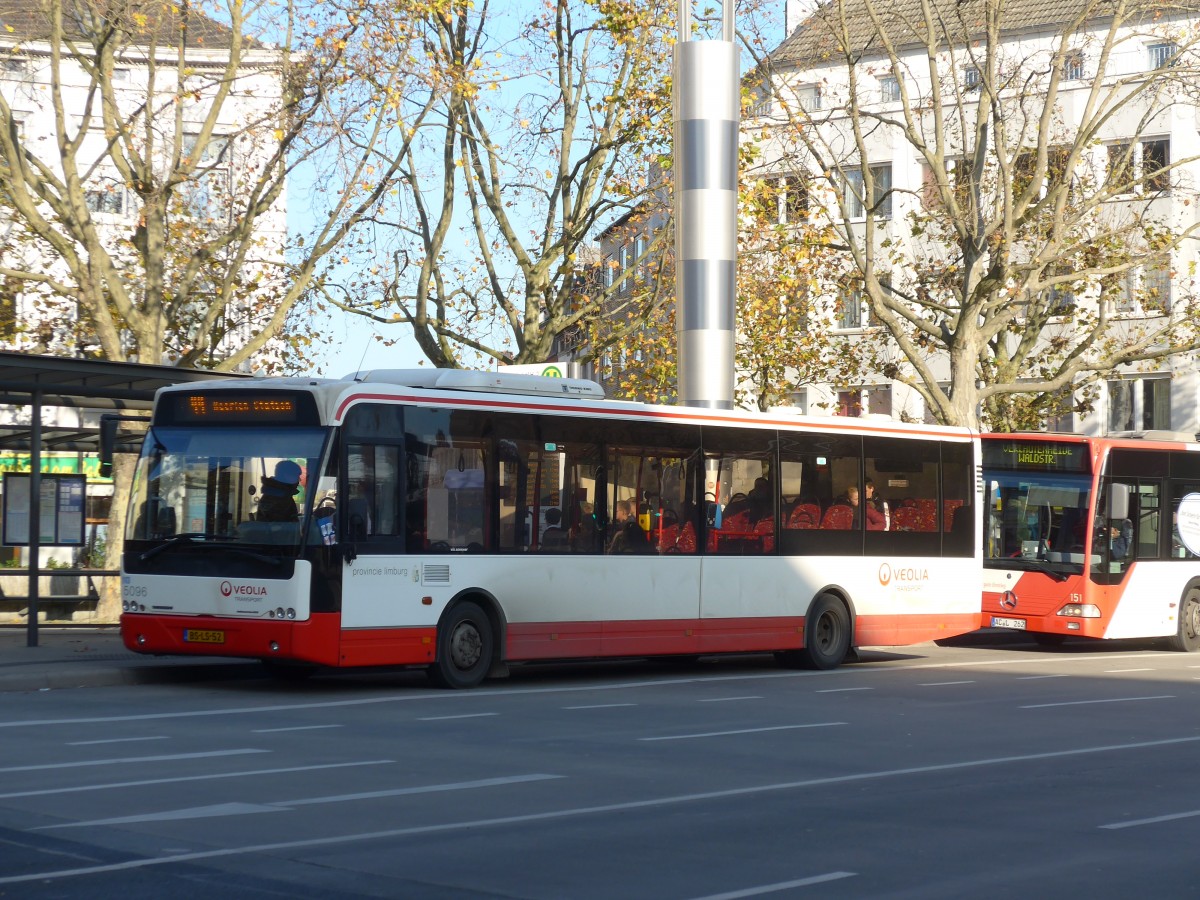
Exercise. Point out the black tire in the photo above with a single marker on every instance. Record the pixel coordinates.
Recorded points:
(1187, 638)
(827, 637)
(464, 648)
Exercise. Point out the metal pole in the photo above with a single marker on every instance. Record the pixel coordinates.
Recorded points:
(707, 110)
(35, 516)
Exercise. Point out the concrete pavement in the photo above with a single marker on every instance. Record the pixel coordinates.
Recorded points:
(95, 657)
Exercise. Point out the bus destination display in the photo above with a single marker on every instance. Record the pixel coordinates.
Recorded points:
(227, 406)
(1046, 456)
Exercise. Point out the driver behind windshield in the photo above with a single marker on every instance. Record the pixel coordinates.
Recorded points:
(276, 504)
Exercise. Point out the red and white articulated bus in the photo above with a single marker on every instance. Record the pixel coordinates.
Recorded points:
(462, 521)
(1093, 536)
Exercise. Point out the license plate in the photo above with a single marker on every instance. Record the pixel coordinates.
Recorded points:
(195, 636)
(1001, 622)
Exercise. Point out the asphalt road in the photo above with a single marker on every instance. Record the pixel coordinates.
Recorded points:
(930, 772)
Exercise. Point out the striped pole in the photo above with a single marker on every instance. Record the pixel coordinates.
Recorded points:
(707, 110)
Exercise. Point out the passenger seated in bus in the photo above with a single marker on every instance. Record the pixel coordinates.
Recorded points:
(631, 539)
(555, 536)
(276, 503)
(876, 520)
(622, 513)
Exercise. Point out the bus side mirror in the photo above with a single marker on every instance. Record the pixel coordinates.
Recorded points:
(1118, 501)
(108, 439)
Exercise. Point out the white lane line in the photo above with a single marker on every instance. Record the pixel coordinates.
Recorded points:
(725, 699)
(943, 683)
(488, 693)
(293, 728)
(684, 737)
(575, 812)
(780, 886)
(1090, 702)
(211, 776)
(239, 809)
(1153, 821)
(1119, 671)
(600, 706)
(124, 740)
(463, 716)
(842, 690)
(130, 760)
(1038, 677)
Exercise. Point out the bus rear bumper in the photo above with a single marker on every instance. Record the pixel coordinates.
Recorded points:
(314, 640)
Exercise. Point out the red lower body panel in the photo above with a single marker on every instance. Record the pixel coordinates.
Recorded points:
(321, 640)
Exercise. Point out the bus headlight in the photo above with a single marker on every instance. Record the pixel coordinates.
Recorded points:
(1080, 611)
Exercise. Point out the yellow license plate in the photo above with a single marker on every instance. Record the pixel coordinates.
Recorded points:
(196, 636)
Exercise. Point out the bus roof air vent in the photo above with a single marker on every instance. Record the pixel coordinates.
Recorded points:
(484, 382)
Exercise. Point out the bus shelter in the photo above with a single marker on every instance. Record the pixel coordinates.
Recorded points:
(43, 386)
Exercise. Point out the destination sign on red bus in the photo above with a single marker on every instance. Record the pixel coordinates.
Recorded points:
(217, 407)
(1042, 456)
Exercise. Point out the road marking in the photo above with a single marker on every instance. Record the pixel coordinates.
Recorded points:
(576, 812)
(130, 760)
(463, 716)
(211, 776)
(485, 693)
(842, 690)
(240, 809)
(780, 886)
(1036, 677)
(1154, 821)
(943, 683)
(684, 737)
(1090, 702)
(293, 728)
(1119, 671)
(126, 740)
(600, 706)
(725, 699)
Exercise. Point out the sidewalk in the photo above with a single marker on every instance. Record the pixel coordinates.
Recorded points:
(95, 657)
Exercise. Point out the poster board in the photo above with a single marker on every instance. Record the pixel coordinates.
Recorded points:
(61, 507)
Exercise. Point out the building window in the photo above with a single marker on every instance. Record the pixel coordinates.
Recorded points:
(849, 403)
(1119, 172)
(608, 273)
(879, 400)
(1060, 297)
(810, 97)
(849, 308)
(1156, 287)
(120, 75)
(795, 200)
(107, 198)
(1156, 160)
(1139, 404)
(1073, 66)
(1162, 54)
(889, 89)
(1060, 417)
(881, 195)
(14, 68)
(972, 78)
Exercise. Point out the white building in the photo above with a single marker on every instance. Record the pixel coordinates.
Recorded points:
(207, 137)
(810, 87)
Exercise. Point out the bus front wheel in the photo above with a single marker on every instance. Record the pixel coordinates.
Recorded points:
(464, 648)
(1187, 638)
(826, 636)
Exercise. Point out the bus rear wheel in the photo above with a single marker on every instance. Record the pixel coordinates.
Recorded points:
(826, 636)
(1187, 638)
(464, 648)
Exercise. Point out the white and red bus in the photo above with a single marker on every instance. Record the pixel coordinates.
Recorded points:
(465, 520)
(1093, 536)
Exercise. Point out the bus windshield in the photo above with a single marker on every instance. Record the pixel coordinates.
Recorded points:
(1037, 520)
(246, 484)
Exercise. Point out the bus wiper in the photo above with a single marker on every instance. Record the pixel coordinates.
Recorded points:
(1033, 565)
(186, 538)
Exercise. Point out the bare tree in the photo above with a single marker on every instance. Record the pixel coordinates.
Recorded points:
(1049, 236)
(548, 124)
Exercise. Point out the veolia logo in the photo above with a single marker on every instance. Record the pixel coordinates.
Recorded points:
(242, 590)
(908, 574)
(885, 574)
